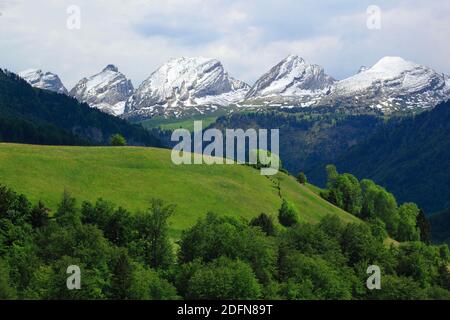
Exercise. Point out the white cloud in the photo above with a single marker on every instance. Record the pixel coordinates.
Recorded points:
(249, 37)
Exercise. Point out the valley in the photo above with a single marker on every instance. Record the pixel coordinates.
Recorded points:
(236, 159)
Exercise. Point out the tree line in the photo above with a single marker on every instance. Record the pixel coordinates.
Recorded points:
(125, 255)
(377, 206)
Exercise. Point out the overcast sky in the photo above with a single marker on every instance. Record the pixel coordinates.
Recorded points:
(248, 36)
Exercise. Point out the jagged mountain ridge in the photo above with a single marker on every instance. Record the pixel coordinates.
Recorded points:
(108, 90)
(187, 86)
(184, 84)
(292, 77)
(393, 84)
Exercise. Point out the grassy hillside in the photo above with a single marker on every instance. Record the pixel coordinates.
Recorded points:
(130, 176)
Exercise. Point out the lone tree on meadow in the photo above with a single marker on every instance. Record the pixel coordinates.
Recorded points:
(301, 178)
(118, 140)
(287, 215)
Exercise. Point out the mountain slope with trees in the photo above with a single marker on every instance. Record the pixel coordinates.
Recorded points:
(31, 115)
(309, 140)
(440, 226)
(408, 156)
(123, 255)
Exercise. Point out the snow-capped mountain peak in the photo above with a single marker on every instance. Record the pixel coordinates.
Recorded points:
(393, 84)
(108, 90)
(111, 67)
(43, 80)
(185, 84)
(291, 77)
(362, 69)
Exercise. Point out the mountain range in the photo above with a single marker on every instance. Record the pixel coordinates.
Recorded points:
(186, 86)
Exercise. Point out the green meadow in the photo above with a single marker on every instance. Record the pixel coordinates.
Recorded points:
(131, 176)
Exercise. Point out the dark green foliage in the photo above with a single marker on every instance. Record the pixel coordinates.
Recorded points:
(39, 216)
(122, 273)
(30, 115)
(215, 236)
(407, 228)
(409, 156)
(7, 291)
(440, 226)
(422, 263)
(67, 213)
(147, 284)
(312, 240)
(424, 226)
(378, 228)
(301, 178)
(398, 288)
(266, 224)
(117, 140)
(129, 256)
(324, 280)
(378, 203)
(374, 204)
(360, 246)
(153, 234)
(287, 215)
(344, 191)
(224, 279)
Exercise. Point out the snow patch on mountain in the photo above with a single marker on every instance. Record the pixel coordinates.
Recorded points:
(43, 80)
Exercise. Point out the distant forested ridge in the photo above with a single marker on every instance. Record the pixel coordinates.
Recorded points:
(30, 115)
(308, 140)
(440, 226)
(410, 157)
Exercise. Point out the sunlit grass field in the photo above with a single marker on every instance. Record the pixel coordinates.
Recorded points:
(130, 176)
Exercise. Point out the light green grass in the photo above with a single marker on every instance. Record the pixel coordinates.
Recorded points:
(130, 176)
(181, 123)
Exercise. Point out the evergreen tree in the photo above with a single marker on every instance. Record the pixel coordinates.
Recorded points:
(153, 230)
(40, 215)
(266, 224)
(67, 213)
(122, 276)
(424, 226)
